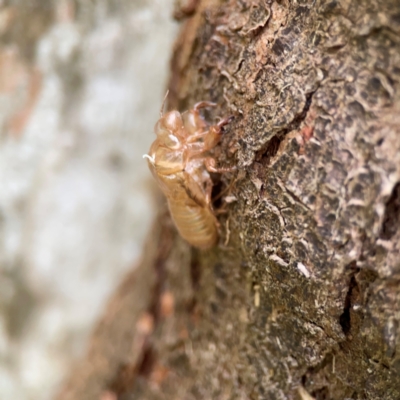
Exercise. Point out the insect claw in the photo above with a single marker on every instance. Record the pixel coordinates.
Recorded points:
(210, 165)
(204, 104)
(225, 121)
(222, 170)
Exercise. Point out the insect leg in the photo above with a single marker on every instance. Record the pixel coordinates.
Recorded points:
(211, 137)
(204, 104)
(208, 188)
(226, 190)
(214, 133)
(209, 163)
(194, 189)
(195, 137)
(225, 121)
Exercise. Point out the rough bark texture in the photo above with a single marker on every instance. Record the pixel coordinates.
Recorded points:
(301, 298)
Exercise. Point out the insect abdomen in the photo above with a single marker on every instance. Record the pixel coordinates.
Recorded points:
(195, 224)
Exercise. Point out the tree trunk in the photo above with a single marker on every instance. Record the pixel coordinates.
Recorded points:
(301, 298)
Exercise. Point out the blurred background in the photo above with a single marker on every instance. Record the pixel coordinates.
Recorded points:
(81, 84)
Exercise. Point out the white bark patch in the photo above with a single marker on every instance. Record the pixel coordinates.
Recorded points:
(303, 269)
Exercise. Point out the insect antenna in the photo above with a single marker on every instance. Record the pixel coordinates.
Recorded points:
(163, 103)
(226, 190)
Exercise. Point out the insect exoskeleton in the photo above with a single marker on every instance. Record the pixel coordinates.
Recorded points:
(180, 164)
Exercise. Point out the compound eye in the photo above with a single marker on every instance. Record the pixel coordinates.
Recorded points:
(171, 121)
(194, 123)
(168, 129)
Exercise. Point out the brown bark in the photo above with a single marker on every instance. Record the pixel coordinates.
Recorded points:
(301, 298)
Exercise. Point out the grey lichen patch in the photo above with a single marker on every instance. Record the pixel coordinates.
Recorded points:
(18, 304)
(24, 24)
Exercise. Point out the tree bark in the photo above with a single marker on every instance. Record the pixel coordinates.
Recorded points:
(301, 298)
